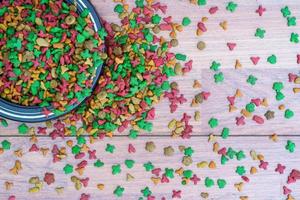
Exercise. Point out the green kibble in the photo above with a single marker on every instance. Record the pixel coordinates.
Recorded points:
(285, 11)
(219, 77)
(129, 163)
(279, 96)
(146, 192)
(225, 133)
(250, 107)
(213, 122)
(110, 148)
(23, 129)
(119, 191)
(291, 21)
(201, 2)
(5, 144)
(288, 114)
(209, 182)
(181, 57)
(98, 163)
(231, 6)
(272, 59)
(294, 38)
(251, 80)
(119, 9)
(221, 183)
(4, 123)
(290, 146)
(277, 86)
(186, 21)
(215, 66)
(240, 170)
(260, 33)
(68, 169)
(116, 169)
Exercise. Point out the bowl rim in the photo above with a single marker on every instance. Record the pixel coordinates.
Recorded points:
(35, 114)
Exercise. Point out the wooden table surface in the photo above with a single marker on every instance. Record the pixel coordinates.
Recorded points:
(265, 185)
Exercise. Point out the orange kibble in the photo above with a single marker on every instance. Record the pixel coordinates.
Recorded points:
(238, 65)
(216, 147)
(260, 157)
(199, 32)
(212, 165)
(253, 170)
(274, 137)
(204, 19)
(70, 143)
(246, 113)
(281, 107)
(100, 186)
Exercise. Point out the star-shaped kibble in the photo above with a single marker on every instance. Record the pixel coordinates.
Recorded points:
(260, 10)
(260, 33)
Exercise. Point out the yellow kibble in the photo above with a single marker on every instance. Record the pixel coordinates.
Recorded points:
(224, 25)
(246, 113)
(238, 93)
(8, 185)
(202, 164)
(253, 170)
(34, 190)
(179, 171)
(155, 180)
(59, 190)
(274, 137)
(238, 65)
(204, 19)
(239, 186)
(100, 186)
(253, 155)
(260, 157)
(232, 108)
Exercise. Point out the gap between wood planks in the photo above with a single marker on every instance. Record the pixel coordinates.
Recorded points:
(145, 136)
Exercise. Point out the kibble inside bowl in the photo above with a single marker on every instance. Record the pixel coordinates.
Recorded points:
(50, 55)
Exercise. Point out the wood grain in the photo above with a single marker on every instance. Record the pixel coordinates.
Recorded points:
(266, 185)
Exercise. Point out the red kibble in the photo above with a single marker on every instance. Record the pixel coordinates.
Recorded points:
(164, 179)
(213, 10)
(292, 77)
(202, 26)
(231, 99)
(156, 171)
(49, 178)
(286, 190)
(260, 10)
(240, 121)
(255, 60)
(34, 148)
(131, 148)
(195, 179)
(231, 46)
(280, 169)
(12, 197)
(176, 194)
(263, 165)
(85, 196)
(258, 119)
(245, 178)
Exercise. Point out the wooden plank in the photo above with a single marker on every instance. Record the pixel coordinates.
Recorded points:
(241, 28)
(264, 185)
